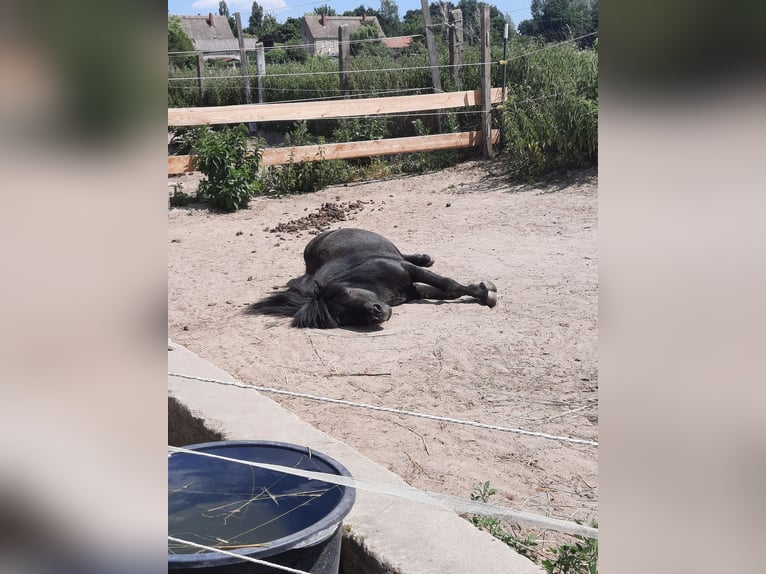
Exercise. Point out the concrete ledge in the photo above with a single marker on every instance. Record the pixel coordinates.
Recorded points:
(382, 534)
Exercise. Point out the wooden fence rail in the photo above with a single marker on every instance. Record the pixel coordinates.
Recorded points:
(336, 109)
(348, 150)
(296, 111)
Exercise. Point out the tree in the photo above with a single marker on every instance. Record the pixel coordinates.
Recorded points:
(413, 23)
(223, 10)
(289, 31)
(560, 20)
(366, 31)
(529, 28)
(497, 22)
(178, 41)
(359, 11)
(325, 9)
(269, 28)
(388, 17)
(256, 19)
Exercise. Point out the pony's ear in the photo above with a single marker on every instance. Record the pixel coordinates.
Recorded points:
(314, 314)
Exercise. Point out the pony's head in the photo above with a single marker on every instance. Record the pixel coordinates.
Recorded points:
(324, 306)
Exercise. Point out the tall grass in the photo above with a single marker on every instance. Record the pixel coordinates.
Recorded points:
(222, 87)
(315, 78)
(550, 120)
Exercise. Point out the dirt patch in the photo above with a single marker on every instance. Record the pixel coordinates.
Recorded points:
(529, 363)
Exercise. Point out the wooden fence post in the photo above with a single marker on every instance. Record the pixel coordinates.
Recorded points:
(456, 47)
(435, 79)
(200, 80)
(343, 57)
(486, 85)
(260, 60)
(243, 59)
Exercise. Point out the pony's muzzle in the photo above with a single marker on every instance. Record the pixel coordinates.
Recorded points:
(381, 312)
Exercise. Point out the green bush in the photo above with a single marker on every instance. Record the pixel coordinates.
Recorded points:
(185, 138)
(550, 120)
(275, 55)
(580, 557)
(361, 129)
(231, 169)
(178, 41)
(307, 176)
(425, 161)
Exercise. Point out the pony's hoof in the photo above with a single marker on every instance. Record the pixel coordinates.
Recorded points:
(491, 298)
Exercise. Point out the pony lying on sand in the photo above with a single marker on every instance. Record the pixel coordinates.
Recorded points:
(354, 277)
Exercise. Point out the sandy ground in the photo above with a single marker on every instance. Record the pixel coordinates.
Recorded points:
(529, 363)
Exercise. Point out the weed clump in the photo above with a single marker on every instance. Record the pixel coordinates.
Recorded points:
(580, 557)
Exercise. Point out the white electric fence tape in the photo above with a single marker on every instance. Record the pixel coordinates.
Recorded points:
(388, 409)
(440, 501)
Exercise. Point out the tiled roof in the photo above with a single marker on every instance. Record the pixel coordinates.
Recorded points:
(397, 42)
(199, 28)
(332, 23)
(215, 38)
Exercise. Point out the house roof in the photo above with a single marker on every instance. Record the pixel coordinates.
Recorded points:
(216, 38)
(332, 23)
(397, 42)
(199, 28)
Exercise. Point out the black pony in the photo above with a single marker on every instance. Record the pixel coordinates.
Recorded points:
(354, 277)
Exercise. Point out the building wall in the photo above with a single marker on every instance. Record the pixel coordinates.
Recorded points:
(326, 47)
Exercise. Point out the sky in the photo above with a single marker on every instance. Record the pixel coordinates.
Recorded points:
(281, 9)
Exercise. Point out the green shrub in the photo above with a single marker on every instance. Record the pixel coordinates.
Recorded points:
(550, 120)
(185, 138)
(307, 176)
(425, 161)
(580, 557)
(524, 546)
(292, 80)
(296, 52)
(275, 55)
(361, 129)
(178, 41)
(231, 169)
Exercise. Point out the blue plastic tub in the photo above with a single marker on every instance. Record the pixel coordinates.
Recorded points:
(272, 516)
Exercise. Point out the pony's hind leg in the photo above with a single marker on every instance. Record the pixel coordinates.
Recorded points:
(487, 293)
(419, 259)
(429, 285)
